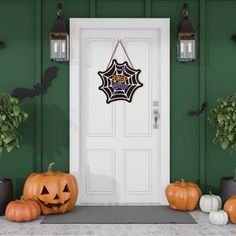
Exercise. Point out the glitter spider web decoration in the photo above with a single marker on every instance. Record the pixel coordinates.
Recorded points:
(119, 82)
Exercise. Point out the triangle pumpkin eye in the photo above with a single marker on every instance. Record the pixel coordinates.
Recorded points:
(44, 191)
(66, 190)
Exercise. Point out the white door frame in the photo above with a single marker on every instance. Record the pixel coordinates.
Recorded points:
(76, 25)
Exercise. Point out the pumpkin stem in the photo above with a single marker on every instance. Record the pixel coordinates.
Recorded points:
(22, 197)
(182, 181)
(210, 193)
(50, 167)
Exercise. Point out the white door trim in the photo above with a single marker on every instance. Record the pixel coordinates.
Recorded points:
(76, 25)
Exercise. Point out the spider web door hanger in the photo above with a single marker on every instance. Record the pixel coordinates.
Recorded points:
(119, 80)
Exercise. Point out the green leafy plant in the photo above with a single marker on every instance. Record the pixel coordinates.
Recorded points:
(223, 118)
(11, 117)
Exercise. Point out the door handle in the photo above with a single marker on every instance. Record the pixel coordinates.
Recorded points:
(156, 117)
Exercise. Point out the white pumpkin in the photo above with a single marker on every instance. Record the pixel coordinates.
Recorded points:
(218, 217)
(210, 203)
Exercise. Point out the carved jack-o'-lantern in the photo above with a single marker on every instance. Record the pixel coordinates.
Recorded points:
(56, 192)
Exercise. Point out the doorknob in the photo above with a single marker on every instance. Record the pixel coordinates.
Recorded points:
(156, 117)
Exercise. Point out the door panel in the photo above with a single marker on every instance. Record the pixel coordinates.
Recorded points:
(137, 178)
(99, 123)
(141, 51)
(100, 172)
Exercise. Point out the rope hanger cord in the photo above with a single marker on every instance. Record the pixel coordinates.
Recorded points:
(119, 41)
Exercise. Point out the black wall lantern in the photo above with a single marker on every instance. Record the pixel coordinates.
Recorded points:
(59, 38)
(186, 44)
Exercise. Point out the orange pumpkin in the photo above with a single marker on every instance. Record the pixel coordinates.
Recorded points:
(183, 196)
(56, 192)
(230, 208)
(22, 210)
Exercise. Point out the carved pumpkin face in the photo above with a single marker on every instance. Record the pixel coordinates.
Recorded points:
(55, 195)
(56, 192)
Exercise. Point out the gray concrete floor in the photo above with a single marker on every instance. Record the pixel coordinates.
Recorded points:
(204, 227)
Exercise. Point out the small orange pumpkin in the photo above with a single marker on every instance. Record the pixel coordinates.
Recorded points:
(230, 208)
(56, 192)
(183, 196)
(22, 210)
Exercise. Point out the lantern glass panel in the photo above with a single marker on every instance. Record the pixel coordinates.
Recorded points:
(59, 47)
(186, 47)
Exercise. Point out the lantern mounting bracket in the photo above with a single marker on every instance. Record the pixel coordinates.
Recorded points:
(60, 24)
(59, 11)
(185, 12)
(185, 25)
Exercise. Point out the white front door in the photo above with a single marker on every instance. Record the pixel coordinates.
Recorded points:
(119, 151)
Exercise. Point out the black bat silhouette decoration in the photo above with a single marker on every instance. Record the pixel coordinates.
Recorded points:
(2, 45)
(37, 89)
(198, 112)
(233, 37)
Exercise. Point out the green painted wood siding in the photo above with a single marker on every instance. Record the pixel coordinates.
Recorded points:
(24, 26)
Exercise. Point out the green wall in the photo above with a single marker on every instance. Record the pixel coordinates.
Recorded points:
(24, 26)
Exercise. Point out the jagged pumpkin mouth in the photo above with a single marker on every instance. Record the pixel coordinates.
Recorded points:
(51, 205)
